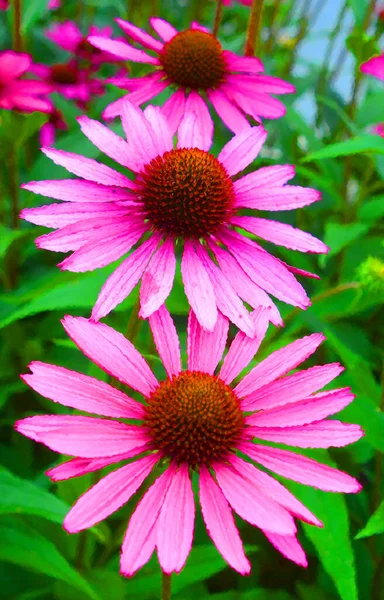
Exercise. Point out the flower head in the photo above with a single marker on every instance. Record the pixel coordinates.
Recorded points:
(371, 275)
(379, 129)
(193, 61)
(374, 66)
(182, 200)
(21, 94)
(194, 421)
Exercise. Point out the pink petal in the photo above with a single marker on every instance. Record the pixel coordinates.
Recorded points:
(274, 176)
(84, 437)
(76, 467)
(73, 190)
(248, 64)
(374, 66)
(254, 104)
(164, 29)
(203, 126)
(108, 495)
(166, 340)
(122, 281)
(278, 198)
(13, 64)
(60, 215)
(139, 35)
(279, 363)
(306, 411)
(161, 134)
(81, 392)
(112, 352)
(244, 348)
(173, 110)
(140, 538)
(146, 92)
(87, 168)
(205, 349)
(275, 490)
(250, 503)
(195, 25)
(322, 434)
(198, 287)
(158, 279)
(231, 116)
(301, 469)
(140, 134)
(272, 85)
(289, 547)
(242, 149)
(122, 50)
(175, 523)
(301, 272)
(281, 234)
(290, 389)
(220, 523)
(190, 133)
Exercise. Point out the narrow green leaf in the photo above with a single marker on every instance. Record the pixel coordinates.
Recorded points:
(364, 144)
(375, 524)
(359, 8)
(338, 236)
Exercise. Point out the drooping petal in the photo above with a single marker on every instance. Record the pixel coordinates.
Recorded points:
(81, 392)
(164, 29)
(122, 50)
(301, 469)
(279, 363)
(244, 348)
(202, 126)
(248, 64)
(140, 134)
(173, 110)
(220, 523)
(85, 437)
(108, 495)
(322, 434)
(231, 116)
(204, 348)
(73, 190)
(288, 197)
(112, 352)
(76, 467)
(198, 287)
(242, 149)
(158, 279)
(60, 215)
(289, 547)
(274, 176)
(139, 35)
(161, 133)
(166, 340)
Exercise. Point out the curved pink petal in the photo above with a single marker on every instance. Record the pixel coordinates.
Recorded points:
(289, 547)
(198, 287)
(122, 281)
(121, 50)
(203, 125)
(108, 495)
(140, 538)
(272, 85)
(76, 467)
(140, 134)
(204, 348)
(112, 352)
(231, 116)
(166, 340)
(161, 134)
(74, 190)
(277, 198)
(220, 523)
(139, 35)
(85, 437)
(190, 133)
(244, 348)
(175, 523)
(13, 64)
(374, 66)
(255, 104)
(87, 168)
(292, 388)
(164, 29)
(301, 469)
(60, 215)
(242, 149)
(81, 392)
(173, 110)
(148, 91)
(281, 234)
(158, 279)
(274, 176)
(322, 434)
(251, 504)
(247, 64)
(279, 363)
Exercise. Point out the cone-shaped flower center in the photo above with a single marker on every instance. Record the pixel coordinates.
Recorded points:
(194, 418)
(194, 59)
(63, 74)
(186, 192)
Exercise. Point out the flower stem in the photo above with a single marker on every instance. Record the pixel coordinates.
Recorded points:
(134, 322)
(17, 42)
(166, 585)
(254, 25)
(13, 188)
(218, 15)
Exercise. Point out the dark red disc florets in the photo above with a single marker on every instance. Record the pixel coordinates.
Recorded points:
(194, 418)
(63, 73)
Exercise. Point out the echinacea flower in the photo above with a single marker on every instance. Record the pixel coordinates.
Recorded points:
(54, 4)
(194, 421)
(374, 66)
(194, 62)
(21, 94)
(181, 199)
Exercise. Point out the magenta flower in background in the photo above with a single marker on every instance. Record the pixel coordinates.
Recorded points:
(193, 421)
(4, 4)
(181, 200)
(194, 62)
(48, 131)
(230, 2)
(374, 66)
(24, 95)
(54, 4)
(379, 129)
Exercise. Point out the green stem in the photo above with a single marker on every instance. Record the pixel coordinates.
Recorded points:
(14, 188)
(166, 586)
(254, 25)
(17, 42)
(272, 26)
(218, 15)
(134, 322)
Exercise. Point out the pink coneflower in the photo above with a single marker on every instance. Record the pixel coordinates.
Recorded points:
(374, 66)
(193, 422)
(379, 129)
(4, 4)
(54, 4)
(181, 199)
(21, 94)
(194, 62)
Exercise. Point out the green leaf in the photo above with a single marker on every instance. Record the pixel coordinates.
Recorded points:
(375, 524)
(18, 496)
(22, 545)
(33, 11)
(338, 236)
(359, 8)
(364, 144)
(372, 210)
(7, 237)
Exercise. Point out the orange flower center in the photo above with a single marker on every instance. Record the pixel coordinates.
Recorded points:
(194, 59)
(63, 74)
(194, 418)
(186, 192)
